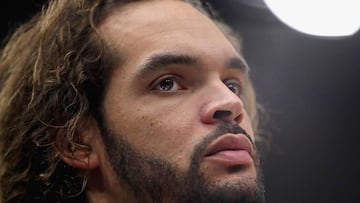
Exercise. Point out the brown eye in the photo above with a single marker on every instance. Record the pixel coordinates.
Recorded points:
(234, 86)
(167, 84)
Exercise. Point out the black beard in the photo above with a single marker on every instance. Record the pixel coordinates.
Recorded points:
(152, 179)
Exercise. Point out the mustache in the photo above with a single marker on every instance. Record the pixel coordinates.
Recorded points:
(222, 129)
(233, 128)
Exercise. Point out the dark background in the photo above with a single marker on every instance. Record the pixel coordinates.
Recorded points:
(310, 88)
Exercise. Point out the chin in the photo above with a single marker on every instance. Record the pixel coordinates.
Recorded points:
(230, 172)
(236, 179)
(232, 189)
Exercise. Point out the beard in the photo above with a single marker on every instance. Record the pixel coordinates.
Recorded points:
(152, 179)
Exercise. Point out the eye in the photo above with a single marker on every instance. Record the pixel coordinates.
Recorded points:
(168, 84)
(234, 86)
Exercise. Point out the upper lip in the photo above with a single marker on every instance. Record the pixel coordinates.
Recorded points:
(230, 142)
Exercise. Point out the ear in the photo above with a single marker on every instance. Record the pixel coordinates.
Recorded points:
(80, 152)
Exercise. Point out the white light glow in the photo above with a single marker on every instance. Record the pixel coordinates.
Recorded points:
(318, 17)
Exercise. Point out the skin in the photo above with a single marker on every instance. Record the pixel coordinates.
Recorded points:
(166, 123)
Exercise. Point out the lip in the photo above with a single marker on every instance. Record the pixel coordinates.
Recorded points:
(231, 148)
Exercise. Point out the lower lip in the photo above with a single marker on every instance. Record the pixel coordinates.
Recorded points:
(240, 157)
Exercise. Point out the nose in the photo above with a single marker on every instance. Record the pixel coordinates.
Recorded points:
(221, 104)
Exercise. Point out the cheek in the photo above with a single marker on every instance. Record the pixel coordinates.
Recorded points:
(169, 134)
(246, 124)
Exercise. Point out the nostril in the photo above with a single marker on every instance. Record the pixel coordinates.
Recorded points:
(221, 114)
(238, 118)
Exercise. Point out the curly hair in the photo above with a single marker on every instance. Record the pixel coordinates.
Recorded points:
(53, 75)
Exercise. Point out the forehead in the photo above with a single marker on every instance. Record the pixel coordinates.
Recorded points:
(162, 24)
(155, 15)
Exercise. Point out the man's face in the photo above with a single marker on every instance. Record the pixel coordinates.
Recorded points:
(173, 108)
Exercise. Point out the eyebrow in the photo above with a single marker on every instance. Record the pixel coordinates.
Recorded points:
(238, 63)
(158, 61)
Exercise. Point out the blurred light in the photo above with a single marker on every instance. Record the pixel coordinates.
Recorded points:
(329, 18)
